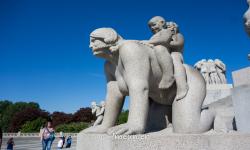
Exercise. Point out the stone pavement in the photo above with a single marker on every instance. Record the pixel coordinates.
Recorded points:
(33, 143)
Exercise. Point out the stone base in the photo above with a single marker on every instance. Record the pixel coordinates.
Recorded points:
(241, 77)
(216, 92)
(241, 101)
(161, 141)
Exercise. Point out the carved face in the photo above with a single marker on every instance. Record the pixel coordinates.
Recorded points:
(99, 47)
(247, 26)
(246, 18)
(156, 25)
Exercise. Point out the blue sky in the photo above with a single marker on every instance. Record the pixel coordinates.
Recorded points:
(44, 54)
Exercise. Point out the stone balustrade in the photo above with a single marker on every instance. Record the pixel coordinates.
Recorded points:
(19, 134)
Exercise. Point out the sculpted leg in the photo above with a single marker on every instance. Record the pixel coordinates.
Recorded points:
(165, 61)
(188, 116)
(180, 75)
(98, 120)
(137, 81)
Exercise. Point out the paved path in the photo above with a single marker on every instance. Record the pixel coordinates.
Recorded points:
(33, 143)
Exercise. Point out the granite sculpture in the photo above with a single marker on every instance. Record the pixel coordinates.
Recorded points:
(132, 69)
(246, 18)
(213, 71)
(98, 111)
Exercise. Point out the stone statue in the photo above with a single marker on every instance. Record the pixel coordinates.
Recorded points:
(163, 45)
(132, 69)
(98, 111)
(203, 68)
(214, 78)
(221, 70)
(212, 71)
(246, 18)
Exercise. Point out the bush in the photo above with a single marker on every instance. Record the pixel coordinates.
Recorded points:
(33, 126)
(72, 127)
(123, 117)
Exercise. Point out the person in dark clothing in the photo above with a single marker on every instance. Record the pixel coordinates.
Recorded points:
(10, 144)
(1, 137)
(69, 141)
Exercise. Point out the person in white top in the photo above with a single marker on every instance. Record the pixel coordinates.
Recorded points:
(60, 143)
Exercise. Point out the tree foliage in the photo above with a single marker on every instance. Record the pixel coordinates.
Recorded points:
(74, 127)
(33, 126)
(123, 117)
(61, 118)
(83, 115)
(10, 110)
(27, 114)
(28, 117)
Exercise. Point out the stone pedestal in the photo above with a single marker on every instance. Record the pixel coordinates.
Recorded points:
(161, 141)
(241, 77)
(241, 102)
(216, 92)
(241, 99)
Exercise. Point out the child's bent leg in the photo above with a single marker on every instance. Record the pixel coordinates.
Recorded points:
(166, 64)
(180, 75)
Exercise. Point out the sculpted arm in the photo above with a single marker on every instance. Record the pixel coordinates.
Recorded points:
(161, 37)
(177, 41)
(101, 112)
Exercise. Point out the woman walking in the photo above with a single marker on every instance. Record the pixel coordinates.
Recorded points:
(47, 136)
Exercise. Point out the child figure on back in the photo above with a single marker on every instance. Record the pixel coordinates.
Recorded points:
(168, 41)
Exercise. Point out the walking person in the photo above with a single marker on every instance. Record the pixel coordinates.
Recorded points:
(47, 135)
(10, 144)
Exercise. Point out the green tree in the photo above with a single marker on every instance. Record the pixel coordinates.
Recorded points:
(11, 110)
(33, 126)
(74, 127)
(123, 117)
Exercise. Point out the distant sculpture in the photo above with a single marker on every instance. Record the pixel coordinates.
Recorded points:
(221, 70)
(212, 71)
(203, 68)
(98, 111)
(132, 69)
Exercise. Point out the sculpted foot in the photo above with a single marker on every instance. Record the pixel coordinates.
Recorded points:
(96, 129)
(181, 92)
(125, 129)
(165, 82)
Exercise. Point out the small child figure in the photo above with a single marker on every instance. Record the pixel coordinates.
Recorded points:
(176, 49)
(168, 42)
(160, 42)
(10, 144)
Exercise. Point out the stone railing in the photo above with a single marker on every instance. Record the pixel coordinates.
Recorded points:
(19, 134)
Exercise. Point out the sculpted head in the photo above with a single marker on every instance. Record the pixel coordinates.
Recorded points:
(156, 24)
(173, 26)
(93, 104)
(101, 40)
(102, 103)
(246, 18)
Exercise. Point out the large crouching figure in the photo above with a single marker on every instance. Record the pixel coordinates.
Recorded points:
(132, 70)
